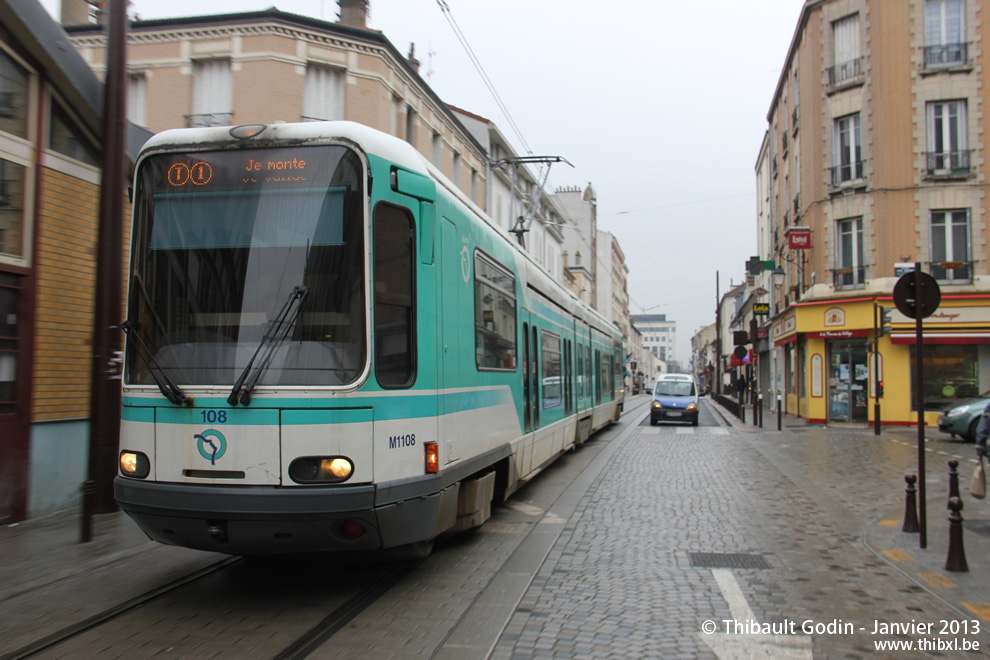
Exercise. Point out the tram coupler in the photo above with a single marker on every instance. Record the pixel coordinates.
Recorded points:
(956, 560)
(910, 506)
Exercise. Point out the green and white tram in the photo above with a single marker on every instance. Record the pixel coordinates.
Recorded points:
(330, 348)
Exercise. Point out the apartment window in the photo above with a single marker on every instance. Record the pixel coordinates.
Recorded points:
(410, 125)
(396, 107)
(474, 186)
(950, 245)
(66, 138)
(213, 94)
(323, 94)
(137, 99)
(847, 63)
(456, 173)
(945, 30)
(947, 139)
(437, 149)
(849, 271)
(13, 96)
(11, 208)
(847, 156)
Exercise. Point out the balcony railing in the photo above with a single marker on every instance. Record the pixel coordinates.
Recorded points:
(845, 173)
(209, 119)
(958, 272)
(845, 277)
(948, 163)
(946, 55)
(845, 72)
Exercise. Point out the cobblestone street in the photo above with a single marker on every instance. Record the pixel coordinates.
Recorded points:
(628, 571)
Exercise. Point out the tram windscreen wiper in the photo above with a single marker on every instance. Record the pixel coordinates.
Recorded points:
(169, 389)
(276, 333)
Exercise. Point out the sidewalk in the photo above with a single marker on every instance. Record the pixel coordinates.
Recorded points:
(966, 592)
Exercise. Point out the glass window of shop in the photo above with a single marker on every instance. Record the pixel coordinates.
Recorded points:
(952, 372)
(802, 370)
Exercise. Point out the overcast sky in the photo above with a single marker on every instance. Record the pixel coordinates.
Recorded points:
(661, 105)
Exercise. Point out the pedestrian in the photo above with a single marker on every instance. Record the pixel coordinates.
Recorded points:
(982, 431)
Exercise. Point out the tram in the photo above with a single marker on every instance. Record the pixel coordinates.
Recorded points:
(329, 348)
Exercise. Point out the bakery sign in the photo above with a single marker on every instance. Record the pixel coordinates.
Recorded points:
(835, 316)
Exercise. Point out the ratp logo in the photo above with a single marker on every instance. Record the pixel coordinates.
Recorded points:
(211, 445)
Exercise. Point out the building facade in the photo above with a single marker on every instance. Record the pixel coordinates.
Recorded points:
(206, 71)
(659, 335)
(876, 161)
(50, 178)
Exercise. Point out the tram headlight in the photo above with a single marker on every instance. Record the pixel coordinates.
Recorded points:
(321, 469)
(134, 464)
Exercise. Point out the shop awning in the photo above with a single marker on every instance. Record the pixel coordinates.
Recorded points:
(936, 337)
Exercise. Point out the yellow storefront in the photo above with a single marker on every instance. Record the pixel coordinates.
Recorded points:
(827, 371)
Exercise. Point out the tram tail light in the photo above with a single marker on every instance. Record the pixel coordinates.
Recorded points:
(432, 457)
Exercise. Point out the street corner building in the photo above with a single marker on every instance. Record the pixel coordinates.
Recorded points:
(874, 160)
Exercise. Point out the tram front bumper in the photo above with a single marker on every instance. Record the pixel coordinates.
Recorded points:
(268, 520)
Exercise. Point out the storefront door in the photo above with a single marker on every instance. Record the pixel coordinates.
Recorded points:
(847, 381)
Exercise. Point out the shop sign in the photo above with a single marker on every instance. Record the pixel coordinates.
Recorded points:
(838, 334)
(901, 268)
(761, 308)
(799, 238)
(836, 316)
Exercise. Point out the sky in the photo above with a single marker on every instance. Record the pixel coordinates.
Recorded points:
(660, 105)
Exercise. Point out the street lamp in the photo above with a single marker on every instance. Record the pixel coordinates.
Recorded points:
(778, 277)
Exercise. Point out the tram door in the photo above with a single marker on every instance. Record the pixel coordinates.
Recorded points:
(455, 260)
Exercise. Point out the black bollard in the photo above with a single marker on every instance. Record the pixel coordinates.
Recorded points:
(759, 404)
(956, 561)
(910, 506)
(779, 412)
(88, 495)
(953, 479)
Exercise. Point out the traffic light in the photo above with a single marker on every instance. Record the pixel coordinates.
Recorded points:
(880, 390)
(886, 314)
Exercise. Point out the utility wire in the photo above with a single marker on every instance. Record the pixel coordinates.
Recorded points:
(481, 70)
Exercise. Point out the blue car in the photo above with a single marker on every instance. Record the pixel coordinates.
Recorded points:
(675, 399)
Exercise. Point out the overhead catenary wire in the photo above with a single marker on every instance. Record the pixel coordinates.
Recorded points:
(484, 76)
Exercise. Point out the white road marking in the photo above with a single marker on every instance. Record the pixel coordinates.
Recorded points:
(720, 431)
(525, 509)
(685, 431)
(726, 645)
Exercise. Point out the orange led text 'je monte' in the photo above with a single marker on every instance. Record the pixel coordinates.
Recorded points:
(275, 165)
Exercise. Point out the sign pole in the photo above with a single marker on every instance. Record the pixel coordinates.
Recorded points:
(920, 384)
(876, 370)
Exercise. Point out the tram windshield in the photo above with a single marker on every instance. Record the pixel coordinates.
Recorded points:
(220, 242)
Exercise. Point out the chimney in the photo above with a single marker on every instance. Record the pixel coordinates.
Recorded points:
(413, 62)
(354, 13)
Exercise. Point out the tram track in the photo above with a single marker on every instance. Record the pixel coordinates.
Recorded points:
(95, 621)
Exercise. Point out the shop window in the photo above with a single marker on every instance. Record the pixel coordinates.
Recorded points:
(9, 292)
(952, 372)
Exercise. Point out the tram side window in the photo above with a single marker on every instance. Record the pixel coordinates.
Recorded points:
(395, 294)
(551, 370)
(494, 315)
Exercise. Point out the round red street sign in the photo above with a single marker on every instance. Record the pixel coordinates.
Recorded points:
(760, 291)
